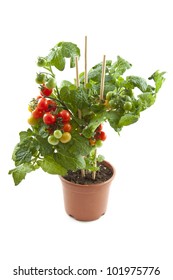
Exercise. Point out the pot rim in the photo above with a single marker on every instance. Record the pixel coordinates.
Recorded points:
(91, 185)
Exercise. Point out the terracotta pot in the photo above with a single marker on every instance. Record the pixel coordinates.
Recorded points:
(86, 202)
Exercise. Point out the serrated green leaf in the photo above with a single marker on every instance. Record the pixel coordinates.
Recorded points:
(79, 145)
(25, 150)
(95, 121)
(69, 49)
(65, 83)
(45, 147)
(127, 120)
(51, 166)
(158, 79)
(19, 173)
(119, 67)
(113, 117)
(146, 100)
(69, 161)
(139, 82)
(25, 134)
(58, 60)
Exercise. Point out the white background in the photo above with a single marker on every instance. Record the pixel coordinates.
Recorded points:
(137, 227)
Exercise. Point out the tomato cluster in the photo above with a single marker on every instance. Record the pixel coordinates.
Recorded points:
(98, 137)
(46, 111)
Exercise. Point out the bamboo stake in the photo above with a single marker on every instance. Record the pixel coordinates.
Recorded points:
(103, 77)
(79, 111)
(101, 98)
(86, 71)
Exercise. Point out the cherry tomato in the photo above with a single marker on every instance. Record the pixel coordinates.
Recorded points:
(29, 108)
(127, 106)
(41, 62)
(99, 143)
(66, 137)
(48, 118)
(37, 113)
(51, 83)
(32, 120)
(100, 127)
(65, 115)
(45, 91)
(51, 105)
(92, 142)
(42, 104)
(53, 140)
(41, 78)
(57, 133)
(67, 127)
(103, 136)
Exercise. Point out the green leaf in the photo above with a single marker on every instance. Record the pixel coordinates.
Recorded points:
(19, 173)
(45, 148)
(79, 145)
(78, 99)
(119, 67)
(146, 100)
(65, 83)
(139, 82)
(58, 60)
(68, 160)
(158, 79)
(51, 166)
(25, 134)
(127, 120)
(25, 150)
(69, 50)
(95, 121)
(113, 118)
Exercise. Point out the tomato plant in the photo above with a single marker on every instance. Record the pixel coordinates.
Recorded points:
(66, 120)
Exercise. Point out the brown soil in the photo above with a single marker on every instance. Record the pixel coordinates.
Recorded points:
(102, 175)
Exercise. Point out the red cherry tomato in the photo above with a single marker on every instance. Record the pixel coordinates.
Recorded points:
(42, 104)
(103, 136)
(37, 113)
(49, 118)
(65, 115)
(67, 127)
(51, 105)
(100, 127)
(45, 91)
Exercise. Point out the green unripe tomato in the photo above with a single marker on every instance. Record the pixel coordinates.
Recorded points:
(53, 140)
(41, 78)
(127, 106)
(99, 143)
(112, 103)
(109, 95)
(57, 133)
(51, 83)
(41, 62)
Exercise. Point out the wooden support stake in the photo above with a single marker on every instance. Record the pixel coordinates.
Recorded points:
(101, 98)
(103, 78)
(86, 71)
(79, 111)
